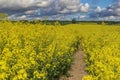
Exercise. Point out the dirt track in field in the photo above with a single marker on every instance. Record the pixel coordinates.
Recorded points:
(78, 67)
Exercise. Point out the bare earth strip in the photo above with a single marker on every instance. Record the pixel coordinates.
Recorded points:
(78, 67)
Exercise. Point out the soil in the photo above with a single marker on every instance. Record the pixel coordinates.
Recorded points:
(78, 67)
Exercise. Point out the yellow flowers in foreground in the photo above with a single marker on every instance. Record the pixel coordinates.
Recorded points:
(35, 51)
(102, 53)
(45, 52)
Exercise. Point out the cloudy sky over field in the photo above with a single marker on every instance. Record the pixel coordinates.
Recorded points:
(62, 9)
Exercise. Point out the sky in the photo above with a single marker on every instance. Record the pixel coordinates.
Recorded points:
(61, 9)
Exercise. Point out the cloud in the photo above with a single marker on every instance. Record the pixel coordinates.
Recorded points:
(111, 12)
(110, 17)
(23, 6)
(59, 5)
(84, 8)
(22, 17)
(58, 9)
(17, 4)
(72, 6)
(114, 9)
(66, 6)
(39, 8)
(30, 12)
(43, 3)
(98, 9)
(82, 16)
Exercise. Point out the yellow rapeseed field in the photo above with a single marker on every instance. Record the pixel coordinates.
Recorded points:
(45, 52)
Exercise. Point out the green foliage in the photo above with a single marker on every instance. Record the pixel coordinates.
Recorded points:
(103, 23)
(36, 21)
(57, 24)
(74, 21)
(3, 16)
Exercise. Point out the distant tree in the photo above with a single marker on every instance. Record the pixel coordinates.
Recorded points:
(36, 21)
(103, 23)
(74, 21)
(46, 19)
(57, 24)
(3, 16)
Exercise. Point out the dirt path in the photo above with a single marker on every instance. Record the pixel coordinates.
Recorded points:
(78, 67)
